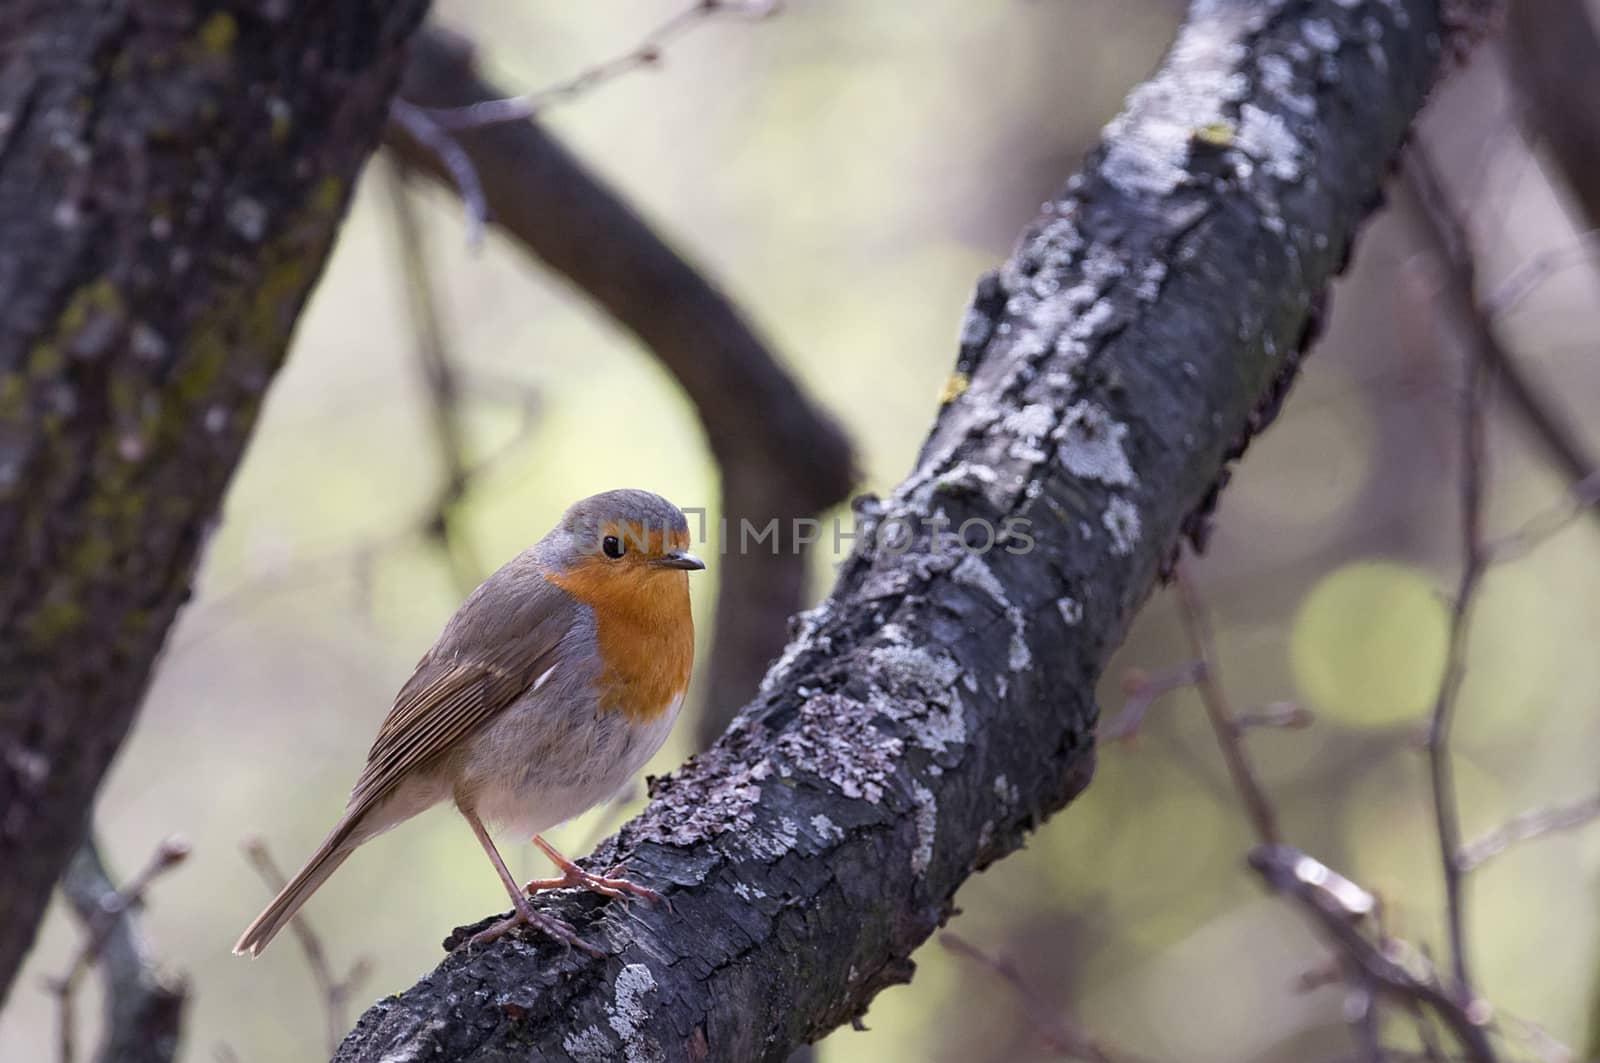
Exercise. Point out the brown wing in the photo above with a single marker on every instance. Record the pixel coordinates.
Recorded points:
(502, 642)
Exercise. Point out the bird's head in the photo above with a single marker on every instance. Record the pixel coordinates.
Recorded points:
(625, 535)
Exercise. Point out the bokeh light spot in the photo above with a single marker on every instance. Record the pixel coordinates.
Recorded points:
(1369, 644)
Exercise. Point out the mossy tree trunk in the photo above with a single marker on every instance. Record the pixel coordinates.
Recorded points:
(171, 179)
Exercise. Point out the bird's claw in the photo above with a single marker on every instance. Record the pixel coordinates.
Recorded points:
(548, 925)
(610, 884)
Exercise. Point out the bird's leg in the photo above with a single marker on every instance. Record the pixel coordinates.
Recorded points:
(573, 875)
(525, 915)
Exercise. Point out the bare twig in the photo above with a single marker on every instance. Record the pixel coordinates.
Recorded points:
(358, 557)
(1197, 626)
(1059, 1035)
(442, 383)
(647, 53)
(1144, 689)
(1535, 823)
(1423, 1023)
(1288, 715)
(336, 992)
(144, 1005)
(434, 127)
(1538, 268)
(1337, 908)
(1361, 1012)
(1371, 963)
(1545, 1046)
(420, 126)
(1475, 563)
(1581, 496)
(1457, 298)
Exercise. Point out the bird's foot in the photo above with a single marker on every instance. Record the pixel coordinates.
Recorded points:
(549, 925)
(608, 884)
(611, 884)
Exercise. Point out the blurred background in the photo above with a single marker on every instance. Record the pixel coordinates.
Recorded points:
(846, 171)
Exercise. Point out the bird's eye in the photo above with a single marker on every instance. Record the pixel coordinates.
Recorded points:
(612, 546)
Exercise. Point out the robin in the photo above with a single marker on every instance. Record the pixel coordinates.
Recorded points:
(552, 685)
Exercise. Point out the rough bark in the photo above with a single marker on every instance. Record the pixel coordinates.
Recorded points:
(940, 703)
(780, 455)
(171, 178)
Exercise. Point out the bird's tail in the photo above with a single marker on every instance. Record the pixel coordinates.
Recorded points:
(325, 861)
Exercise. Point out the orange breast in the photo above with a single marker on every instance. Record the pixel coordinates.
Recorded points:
(645, 632)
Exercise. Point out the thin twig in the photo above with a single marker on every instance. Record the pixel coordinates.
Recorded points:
(1372, 962)
(1581, 496)
(1447, 815)
(1458, 293)
(143, 1005)
(1197, 627)
(358, 557)
(1387, 964)
(420, 125)
(1286, 715)
(1545, 1046)
(1361, 1012)
(1526, 827)
(336, 992)
(441, 380)
(1143, 690)
(1422, 1022)
(1538, 268)
(647, 53)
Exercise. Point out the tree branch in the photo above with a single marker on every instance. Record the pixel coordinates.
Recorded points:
(445, 525)
(1458, 303)
(646, 53)
(143, 1003)
(940, 703)
(1525, 827)
(780, 455)
(1553, 53)
(1444, 235)
(335, 990)
(170, 183)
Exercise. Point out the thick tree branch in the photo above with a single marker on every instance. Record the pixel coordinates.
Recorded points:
(171, 179)
(780, 455)
(1553, 52)
(940, 703)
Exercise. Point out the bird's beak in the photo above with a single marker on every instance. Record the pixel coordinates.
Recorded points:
(679, 559)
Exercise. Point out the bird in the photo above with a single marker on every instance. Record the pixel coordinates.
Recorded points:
(551, 686)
